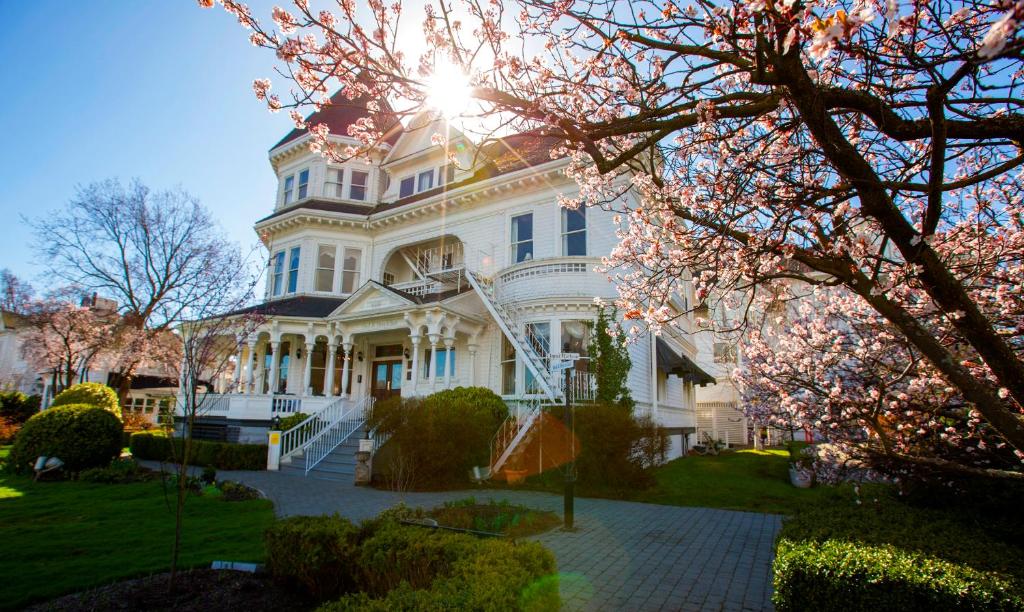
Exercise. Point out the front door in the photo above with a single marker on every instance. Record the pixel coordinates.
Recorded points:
(387, 379)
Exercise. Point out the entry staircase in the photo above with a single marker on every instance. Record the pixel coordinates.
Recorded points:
(324, 445)
(515, 433)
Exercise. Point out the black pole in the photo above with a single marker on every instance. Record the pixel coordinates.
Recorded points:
(570, 467)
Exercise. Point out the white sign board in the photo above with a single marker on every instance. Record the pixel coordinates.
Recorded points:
(564, 356)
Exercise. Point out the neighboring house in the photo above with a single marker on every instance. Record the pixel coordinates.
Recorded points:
(151, 389)
(16, 373)
(406, 274)
(719, 411)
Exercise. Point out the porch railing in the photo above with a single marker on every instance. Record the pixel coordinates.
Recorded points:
(317, 449)
(285, 405)
(299, 436)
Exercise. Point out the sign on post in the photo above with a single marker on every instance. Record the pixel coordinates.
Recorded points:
(564, 356)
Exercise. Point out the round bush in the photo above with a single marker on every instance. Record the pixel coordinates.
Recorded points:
(80, 435)
(94, 394)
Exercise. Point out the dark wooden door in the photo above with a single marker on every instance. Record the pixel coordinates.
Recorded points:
(387, 379)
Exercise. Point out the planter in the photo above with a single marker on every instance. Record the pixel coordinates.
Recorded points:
(515, 476)
(801, 479)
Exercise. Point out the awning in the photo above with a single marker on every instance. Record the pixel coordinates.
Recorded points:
(671, 362)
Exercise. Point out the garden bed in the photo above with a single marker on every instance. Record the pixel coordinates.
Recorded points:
(196, 591)
(502, 518)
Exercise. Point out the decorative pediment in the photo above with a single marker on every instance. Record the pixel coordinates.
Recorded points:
(371, 297)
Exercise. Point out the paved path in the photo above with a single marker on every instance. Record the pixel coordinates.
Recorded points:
(623, 555)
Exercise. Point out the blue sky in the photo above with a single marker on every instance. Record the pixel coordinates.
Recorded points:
(155, 90)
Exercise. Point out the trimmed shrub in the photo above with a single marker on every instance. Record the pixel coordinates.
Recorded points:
(82, 436)
(440, 438)
(410, 568)
(291, 421)
(889, 555)
(16, 407)
(314, 553)
(158, 446)
(94, 394)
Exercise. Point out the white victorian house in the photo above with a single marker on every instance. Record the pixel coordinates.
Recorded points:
(406, 275)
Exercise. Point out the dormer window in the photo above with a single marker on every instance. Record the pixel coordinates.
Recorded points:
(357, 190)
(407, 187)
(426, 180)
(303, 183)
(289, 188)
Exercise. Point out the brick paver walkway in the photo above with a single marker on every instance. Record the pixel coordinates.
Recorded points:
(623, 555)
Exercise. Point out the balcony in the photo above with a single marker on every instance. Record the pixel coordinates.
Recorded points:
(553, 277)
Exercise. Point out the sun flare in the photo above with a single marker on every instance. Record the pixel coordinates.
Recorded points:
(448, 90)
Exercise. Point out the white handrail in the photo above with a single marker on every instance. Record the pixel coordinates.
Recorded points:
(299, 436)
(317, 449)
(510, 435)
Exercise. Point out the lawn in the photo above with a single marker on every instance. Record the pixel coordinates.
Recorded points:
(62, 537)
(742, 480)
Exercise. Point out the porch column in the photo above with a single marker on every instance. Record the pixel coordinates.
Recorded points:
(293, 373)
(448, 344)
(275, 365)
(307, 374)
(345, 367)
(261, 358)
(472, 364)
(432, 364)
(252, 365)
(236, 386)
(332, 348)
(415, 339)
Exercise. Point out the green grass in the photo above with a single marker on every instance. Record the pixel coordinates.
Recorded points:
(743, 480)
(62, 537)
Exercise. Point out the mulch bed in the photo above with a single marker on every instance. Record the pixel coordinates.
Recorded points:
(198, 590)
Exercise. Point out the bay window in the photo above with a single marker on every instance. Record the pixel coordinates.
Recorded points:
(277, 275)
(357, 190)
(289, 188)
(303, 183)
(574, 231)
(335, 180)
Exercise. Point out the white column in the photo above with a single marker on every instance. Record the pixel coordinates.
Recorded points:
(448, 344)
(415, 339)
(293, 368)
(654, 376)
(251, 359)
(307, 374)
(275, 365)
(236, 386)
(472, 364)
(332, 348)
(345, 367)
(261, 358)
(432, 364)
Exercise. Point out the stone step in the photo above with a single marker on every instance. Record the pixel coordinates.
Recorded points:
(334, 469)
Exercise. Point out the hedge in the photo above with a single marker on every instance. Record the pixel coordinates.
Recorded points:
(80, 435)
(221, 455)
(888, 555)
(94, 394)
(384, 566)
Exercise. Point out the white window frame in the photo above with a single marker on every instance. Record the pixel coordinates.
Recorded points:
(365, 186)
(289, 188)
(404, 179)
(354, 273)
(338, 185)
(566, 233)
(514, 244)
(294, 256)
(319, 268)
(428, 175)
(277, 274)
(303, 186)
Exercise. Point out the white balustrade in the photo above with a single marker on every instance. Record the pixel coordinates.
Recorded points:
(317, 448)
(299, 436)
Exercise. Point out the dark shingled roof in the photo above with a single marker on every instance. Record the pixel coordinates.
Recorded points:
(340, 114)
(672, 362)
(504, 156)
(299, 306)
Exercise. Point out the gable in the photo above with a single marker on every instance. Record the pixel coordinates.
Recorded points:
(369, 298)
(415, 140)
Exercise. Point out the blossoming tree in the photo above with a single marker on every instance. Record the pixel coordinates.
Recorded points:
(875, 146)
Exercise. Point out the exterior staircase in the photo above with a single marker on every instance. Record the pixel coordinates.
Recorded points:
(338, 465)
(515, 432)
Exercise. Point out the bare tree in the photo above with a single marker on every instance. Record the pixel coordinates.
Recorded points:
(153, 252)
(15, 294)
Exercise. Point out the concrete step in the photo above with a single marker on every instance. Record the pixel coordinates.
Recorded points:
(334, 469)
